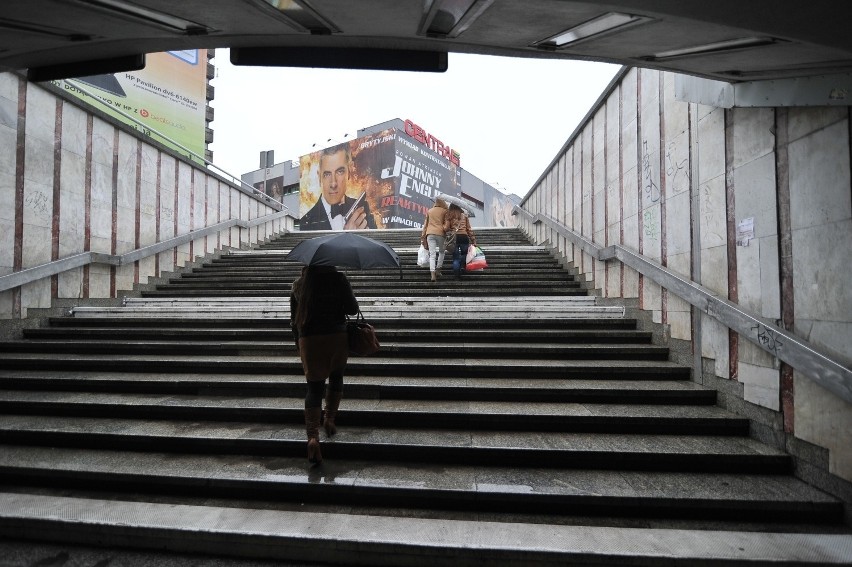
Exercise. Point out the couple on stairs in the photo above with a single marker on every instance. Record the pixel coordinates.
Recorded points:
(446, 227)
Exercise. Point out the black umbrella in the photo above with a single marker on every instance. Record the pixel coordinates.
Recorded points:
(345, 249)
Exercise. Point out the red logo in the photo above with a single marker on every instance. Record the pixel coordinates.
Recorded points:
(431, 142)
(144, 113)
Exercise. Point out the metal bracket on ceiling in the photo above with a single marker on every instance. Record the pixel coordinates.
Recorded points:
(816, 90)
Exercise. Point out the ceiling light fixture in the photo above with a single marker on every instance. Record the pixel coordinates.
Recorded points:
(31, 28)
(450, 18)
(717, 47)
(606, 23)
(301, 16)
(148, 15)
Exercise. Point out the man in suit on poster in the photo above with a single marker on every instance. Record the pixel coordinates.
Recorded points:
(334, 210)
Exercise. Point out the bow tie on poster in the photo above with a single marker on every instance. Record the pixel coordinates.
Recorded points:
(339, 209)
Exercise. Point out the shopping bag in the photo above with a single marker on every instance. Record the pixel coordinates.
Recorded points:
(477, 262)
(423, 257)
(471, 252)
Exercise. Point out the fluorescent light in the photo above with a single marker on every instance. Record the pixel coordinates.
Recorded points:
(708, 48)
(449, 18)
(303, 17)
(602, 24)
(147, 14)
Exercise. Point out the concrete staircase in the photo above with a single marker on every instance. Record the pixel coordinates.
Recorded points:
(508, 419)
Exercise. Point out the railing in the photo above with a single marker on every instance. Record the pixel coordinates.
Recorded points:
(778, 342)
(36, 273)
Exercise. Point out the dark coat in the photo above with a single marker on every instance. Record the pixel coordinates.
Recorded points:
(331, 300)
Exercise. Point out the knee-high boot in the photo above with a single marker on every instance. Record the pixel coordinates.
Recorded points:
(332, 403)
(312, 423)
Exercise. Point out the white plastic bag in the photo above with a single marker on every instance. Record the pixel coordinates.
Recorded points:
(471, 251)
(423, 257)
(478, 261)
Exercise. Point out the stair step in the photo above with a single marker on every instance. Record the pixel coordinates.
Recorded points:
(466, 488)
(369, 539)
(391, 330)
(598, 442)
(432, 413)
(374, 308)
(285, 345)
(379, 366)
(519, 326)
(553, 390)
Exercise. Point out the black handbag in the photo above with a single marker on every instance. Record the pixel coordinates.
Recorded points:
(450, 242)
(362, 336)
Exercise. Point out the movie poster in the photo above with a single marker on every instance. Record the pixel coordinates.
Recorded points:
(393, 179)
(420, 175)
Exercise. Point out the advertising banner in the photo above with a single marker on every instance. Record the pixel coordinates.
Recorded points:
(384, 180)
(168, 96)
(498, 211)
(274, 187)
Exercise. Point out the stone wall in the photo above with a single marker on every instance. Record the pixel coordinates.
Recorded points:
(73, 180)
(675, 181)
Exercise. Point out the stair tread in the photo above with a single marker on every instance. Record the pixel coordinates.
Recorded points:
(355, 362)
(619, 445)
(563, 409)
(354, 379)
(487, 481)
(401, 329)
(388, 346)
(439, 541)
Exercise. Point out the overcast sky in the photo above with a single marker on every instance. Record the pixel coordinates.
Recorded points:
(507, 117)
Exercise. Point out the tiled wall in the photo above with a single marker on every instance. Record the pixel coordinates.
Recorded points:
(73, 182)
(674, 181)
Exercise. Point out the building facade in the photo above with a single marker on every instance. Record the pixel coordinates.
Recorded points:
(399, 171)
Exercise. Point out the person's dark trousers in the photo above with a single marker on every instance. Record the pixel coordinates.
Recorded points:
(460, 254)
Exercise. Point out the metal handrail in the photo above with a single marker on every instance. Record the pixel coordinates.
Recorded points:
(41, 271)
(255, 192)
(801, 355)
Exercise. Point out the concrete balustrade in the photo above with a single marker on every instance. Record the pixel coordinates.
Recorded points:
(74, 181)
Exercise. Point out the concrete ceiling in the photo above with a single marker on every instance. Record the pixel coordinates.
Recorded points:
(795, 38)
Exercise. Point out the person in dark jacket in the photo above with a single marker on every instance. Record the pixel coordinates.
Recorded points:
(457, 220)
(319, 302)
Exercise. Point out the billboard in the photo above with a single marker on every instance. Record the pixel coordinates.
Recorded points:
(274, 187)
(168, 96)
(498, 211)
(383, 180)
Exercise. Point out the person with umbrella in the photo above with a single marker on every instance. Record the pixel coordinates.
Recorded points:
(319, 302)
(458, 221)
